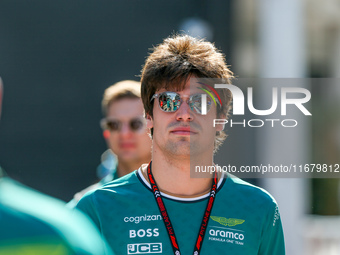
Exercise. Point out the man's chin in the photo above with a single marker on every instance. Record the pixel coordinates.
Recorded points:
(180, 149)
(127, 155)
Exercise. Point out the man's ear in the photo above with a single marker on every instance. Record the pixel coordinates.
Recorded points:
(149, 121)
(220, 126)
(106, 134)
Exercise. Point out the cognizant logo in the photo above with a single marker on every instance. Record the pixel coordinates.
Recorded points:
(137, 219)
(303, 95)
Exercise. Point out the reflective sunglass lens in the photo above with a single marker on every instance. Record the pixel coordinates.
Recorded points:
(169, 102)
(196, 103)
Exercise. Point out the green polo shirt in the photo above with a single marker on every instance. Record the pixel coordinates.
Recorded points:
(245, 219)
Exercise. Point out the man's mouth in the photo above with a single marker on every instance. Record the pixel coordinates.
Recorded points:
(183, 131)
(127, 145)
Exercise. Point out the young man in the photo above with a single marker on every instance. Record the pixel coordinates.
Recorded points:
(32, 223)
(124, 130)
(160, 208)
(124, 126)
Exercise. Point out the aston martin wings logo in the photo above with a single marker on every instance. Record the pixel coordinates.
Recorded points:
(227, 222)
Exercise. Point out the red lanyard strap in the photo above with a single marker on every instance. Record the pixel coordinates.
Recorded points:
(166, 218)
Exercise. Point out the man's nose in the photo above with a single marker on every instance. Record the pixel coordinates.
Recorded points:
(125, 129)
(184, 113)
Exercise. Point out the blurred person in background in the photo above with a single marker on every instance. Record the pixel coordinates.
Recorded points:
(124, 129)
(33, 223)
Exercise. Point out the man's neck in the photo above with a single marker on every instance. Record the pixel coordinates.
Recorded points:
(124, 168)
(173, 175)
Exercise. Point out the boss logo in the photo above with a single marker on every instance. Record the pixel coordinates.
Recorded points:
(143, 233)
(144, 248)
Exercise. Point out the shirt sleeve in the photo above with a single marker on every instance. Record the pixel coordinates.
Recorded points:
(87, 206)
(272, 242)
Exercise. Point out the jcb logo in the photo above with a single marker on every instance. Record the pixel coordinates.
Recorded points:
(144, 248)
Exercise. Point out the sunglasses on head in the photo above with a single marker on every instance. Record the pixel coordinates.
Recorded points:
(135, 124)
(171, 101)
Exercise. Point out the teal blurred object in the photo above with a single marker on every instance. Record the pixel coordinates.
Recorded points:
(33, 223)
(108, 165)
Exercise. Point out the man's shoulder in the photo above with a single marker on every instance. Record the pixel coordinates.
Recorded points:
(122, 182)
(243, 190)
(120, 186)
(120, 193)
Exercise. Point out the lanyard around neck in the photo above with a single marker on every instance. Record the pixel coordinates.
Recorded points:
(166, 218)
